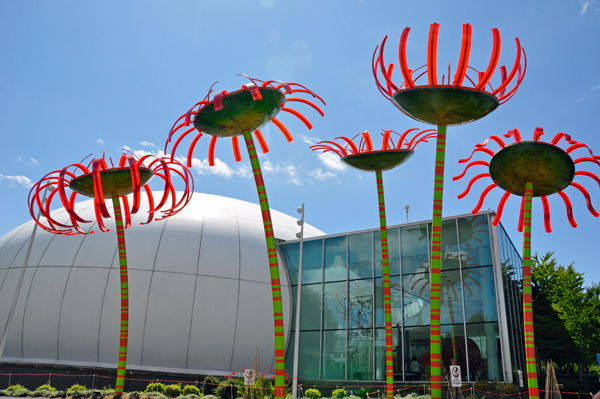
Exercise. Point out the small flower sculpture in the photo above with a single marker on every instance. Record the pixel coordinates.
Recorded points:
(442, 105)
(531, 169)
(116, 183)
(364, 157)
(240, 113)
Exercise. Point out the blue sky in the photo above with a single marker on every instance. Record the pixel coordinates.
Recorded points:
(82, 77)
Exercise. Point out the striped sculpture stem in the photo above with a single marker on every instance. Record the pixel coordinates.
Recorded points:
(273, 267)
(436, 262)
(387, 295)
(532, 381)
(124, 299)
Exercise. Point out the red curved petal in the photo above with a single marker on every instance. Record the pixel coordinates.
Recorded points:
(506, 81)
(539, 132)
(474, 163)
(408, 82)
(191, 150)
(261, 141)
(485, 78)
(588, 200)
(473, 180)
(478, 149)
(184, 134)
(432, 54)
(588, 174)
(569, 208)
(367, 137)
(482, 197)
(546, 207)
(465, 52)
(307, 103)
(298, 115)
(211, 151)
(283, 129)
(501, 208)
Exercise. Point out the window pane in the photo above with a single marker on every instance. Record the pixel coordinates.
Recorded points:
(360, 354)
(294, 305)
(475, 241)
(393, 252)
(480, 295)
(396, 297)
(453, 347)
(291, 256)
(360, 250)
(485, 357)
(416, 299)
(334, 355)
(360, 312)
(334, 306)
(310, 313)
(309, 353)
(451, 292)
(335, 259)
(312, 261)
(415, 247)
(416, 353)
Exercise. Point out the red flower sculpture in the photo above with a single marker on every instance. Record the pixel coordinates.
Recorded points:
(101, 183)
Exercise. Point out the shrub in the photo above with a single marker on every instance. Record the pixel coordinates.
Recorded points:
(190, 389)
(481, 385)
(209, 397)
(16, 387)
(77, 388)
(339, 393)
(312, 393)
(152, 393)
(133, 395)
(155, 387)
(227, 389)
(45, 387)
(173, 390)
(210, 385)
(362, 393)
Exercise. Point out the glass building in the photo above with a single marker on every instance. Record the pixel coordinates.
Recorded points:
(341, 331)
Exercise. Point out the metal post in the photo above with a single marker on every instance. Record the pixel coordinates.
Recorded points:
(21, 277)
(298, 300)
(407, 207)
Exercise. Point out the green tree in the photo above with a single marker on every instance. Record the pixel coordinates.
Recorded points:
(566, 315)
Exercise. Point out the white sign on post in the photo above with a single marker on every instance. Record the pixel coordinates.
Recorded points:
(455, 376)
(520, 378)
(249, 377)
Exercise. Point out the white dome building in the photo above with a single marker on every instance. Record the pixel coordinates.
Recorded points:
(199, 285)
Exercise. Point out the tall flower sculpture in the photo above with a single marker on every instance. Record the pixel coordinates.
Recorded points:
(462, 101)
(241, 113)
(365, 157)
(531, 169)
(98, 181)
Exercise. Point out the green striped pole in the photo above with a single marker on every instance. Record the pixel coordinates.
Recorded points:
(527, 300)
(124, 299)
(436, 262)
(273, 267)
(387, 295)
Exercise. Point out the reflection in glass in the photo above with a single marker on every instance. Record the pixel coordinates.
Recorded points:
(334, 355)
(475, 239)
(480, 295)
(360, 254)
(396, 296)
(335, 259)
(415, 299)
(416, 353)
(380, 354)
(291, 256)
(393, 252)
(487, 338)
(360, 354)
(360, 303)
(453, 347)
(310, 313)
(308, 357)
(294, 306)
(334, 306)
(415, 247)
(312, 262)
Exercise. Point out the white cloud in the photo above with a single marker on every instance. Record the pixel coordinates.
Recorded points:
(584, 7)
(289, 171)
(146, 144)
(318, 174)
(220, 168)
(309, 140)
(331, 161)
(100, 141)
(33, 161)
(20, 180)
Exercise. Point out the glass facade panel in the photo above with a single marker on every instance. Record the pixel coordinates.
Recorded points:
(291, 256)
(380, 355)
(393, 252)
(360, 304)
(312, 262)
(480, 294)
(335, 259)
(453, 347)
(396, 297)
(415, 288)
(334, 355)
(416, 348)
(415, 247)
(360, 354)
(309, 354)
(451, 308)
(294, 305)
(475, 244)
(310, 314)
(360, 254)
(485, 357)
(334, 306)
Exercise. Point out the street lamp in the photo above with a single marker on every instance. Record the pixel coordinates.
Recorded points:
(407, 207)
(300, 235)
